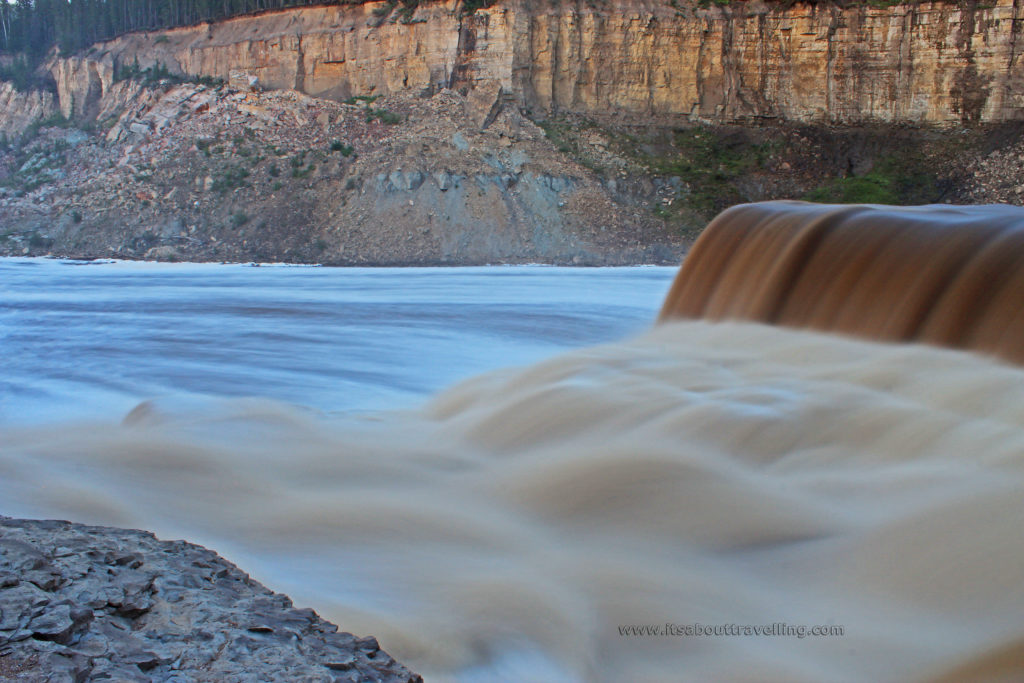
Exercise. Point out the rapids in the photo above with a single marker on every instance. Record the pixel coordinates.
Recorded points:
(725, 473)
(944, 275)
(520, 524)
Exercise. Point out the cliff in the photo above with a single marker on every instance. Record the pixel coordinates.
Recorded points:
(382, 134)
(931, 62)
(20, 110)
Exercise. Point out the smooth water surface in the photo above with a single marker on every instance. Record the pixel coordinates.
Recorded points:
(93, 339)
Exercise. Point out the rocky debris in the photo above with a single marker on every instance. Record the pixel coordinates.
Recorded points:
(688, 174)
(997, 177)
(151, 114)
(201, 172)
(83, 603)
(243, 80)
(483, 103)
(196, 172)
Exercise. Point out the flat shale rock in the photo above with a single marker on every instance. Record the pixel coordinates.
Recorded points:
(84, 603)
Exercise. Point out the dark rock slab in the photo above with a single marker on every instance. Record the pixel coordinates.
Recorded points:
(85, 603)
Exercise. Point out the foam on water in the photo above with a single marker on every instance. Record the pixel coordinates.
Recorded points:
(727, 473)
(724, 473)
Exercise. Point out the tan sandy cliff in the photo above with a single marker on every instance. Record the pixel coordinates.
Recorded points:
(930, 62)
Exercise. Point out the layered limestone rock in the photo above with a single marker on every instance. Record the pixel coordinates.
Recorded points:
(88, 89)
(19, 110)
(81, 83)
(928, 62)
(941, 63)
(87, 603)
(334, 51)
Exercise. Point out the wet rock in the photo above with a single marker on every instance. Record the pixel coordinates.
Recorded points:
(368, 644)
(108, 616)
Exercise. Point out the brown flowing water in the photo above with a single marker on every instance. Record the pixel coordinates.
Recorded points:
(945, 275)
(723, 473)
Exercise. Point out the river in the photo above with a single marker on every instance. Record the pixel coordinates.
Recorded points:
(604, 503)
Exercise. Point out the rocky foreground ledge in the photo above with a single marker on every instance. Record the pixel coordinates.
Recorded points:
(84, 603)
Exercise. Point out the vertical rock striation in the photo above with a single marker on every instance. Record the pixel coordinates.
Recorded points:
(931, 62)
(19, 110)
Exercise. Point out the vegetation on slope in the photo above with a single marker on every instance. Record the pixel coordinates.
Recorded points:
(685, 175)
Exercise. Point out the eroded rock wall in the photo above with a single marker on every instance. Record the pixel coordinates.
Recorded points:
(332, 51)
(921, 62)
(942, 63)
(19, 110)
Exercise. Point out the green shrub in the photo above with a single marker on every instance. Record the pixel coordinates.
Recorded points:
(407, 10)
(149, 76)
(471, 6)
(339, 146)
(368, 99)
(383, 115)
(208, 81)
(384, 10)
(38, 241)
(230, 177)
(24, 76)
(893, 180)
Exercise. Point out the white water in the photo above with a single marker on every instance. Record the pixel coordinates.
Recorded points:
(720, 474)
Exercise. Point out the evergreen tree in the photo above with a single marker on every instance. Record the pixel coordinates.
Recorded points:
(31, 27)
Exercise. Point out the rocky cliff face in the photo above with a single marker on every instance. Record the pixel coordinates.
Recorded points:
(927, 62)
(445, 168)
(198, 173)
(939, 63)
(20, 110)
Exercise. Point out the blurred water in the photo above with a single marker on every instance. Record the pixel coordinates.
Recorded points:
(84, 340)
(509, 528)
